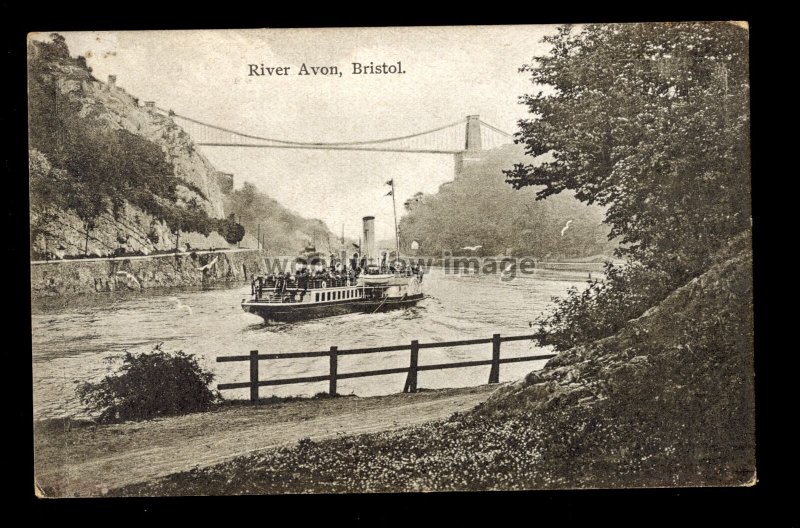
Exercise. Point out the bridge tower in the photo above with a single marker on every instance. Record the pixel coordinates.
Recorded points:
(472, 144)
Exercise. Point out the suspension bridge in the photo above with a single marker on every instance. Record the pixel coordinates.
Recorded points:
(467, 137)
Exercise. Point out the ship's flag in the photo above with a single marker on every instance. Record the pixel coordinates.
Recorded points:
(389, 193)
(390, 182)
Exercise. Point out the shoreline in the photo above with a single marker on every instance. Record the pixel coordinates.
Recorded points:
(72, 277)
(141, 257)
(92, 459)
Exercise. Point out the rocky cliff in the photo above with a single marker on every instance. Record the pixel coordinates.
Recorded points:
(112, 107)
(63, 90)
(112, 175)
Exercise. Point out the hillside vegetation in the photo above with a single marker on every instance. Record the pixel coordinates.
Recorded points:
(480, 208)
(106, 173)
(109, 175)
(283, 232)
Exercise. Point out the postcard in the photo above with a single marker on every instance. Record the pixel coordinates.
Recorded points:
(399, 259)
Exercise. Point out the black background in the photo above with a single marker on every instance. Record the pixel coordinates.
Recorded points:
(673, 507)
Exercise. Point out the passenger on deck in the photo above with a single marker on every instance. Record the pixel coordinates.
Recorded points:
(302, 279)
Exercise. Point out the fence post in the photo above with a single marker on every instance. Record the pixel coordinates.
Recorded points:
(411, 380)
(334, 368)
(494, 374)
(254, 376)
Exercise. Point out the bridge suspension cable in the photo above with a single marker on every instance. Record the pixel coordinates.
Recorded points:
(446, 139)
(493, 137)
(506, 134)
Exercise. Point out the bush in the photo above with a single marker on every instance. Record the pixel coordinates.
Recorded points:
(149, 385)
(231, 230)
(603, 307)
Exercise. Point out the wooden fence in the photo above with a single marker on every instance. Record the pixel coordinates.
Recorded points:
(412, 369)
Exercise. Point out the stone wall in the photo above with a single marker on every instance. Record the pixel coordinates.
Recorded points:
(70, 277)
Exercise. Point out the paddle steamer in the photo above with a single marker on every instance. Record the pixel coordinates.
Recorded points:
(319, 289)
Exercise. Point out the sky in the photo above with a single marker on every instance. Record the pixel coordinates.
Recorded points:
(451, 72)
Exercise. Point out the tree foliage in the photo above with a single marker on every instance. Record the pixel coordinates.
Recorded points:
(479, 208)
(49, 189)
(99, 167)
(651, 120)
(283, 231)
(231, 230)
(149, 385)
(602, 308)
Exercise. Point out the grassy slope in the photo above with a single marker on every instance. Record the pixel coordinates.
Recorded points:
(667, 401)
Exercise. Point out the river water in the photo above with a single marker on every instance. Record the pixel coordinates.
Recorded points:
(82, 338)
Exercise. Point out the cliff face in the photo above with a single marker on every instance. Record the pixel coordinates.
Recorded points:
(148, 187)
(72, 93)
(114, 108)
(132, 229)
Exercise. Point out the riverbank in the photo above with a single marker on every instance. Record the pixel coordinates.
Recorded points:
(85, 459)
(67, 277)
(98, 275)
(665, 402)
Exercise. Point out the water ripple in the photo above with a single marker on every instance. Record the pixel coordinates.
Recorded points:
(71, 337)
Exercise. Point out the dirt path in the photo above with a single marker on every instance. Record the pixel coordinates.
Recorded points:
(91, 460)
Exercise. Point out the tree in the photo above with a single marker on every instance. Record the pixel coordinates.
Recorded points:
(231, 230)
(415, 200)
(47, 195)
(93, 167)
(480, 208)
(651, 120)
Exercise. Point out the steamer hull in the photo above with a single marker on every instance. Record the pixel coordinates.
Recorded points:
(292, 312)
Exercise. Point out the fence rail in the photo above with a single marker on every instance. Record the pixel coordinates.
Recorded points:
(412, 369)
